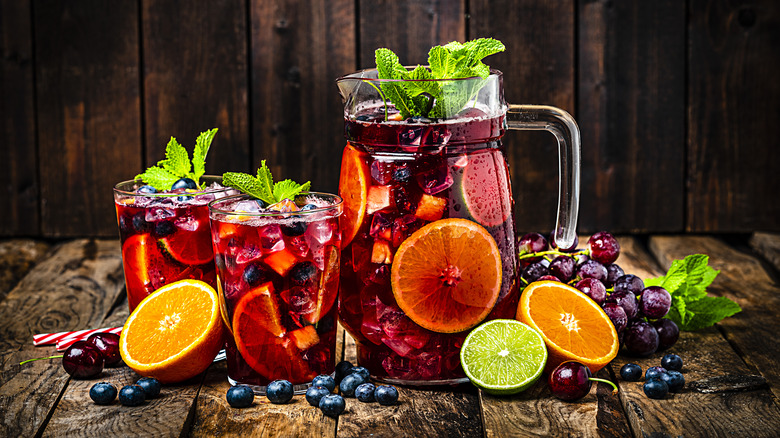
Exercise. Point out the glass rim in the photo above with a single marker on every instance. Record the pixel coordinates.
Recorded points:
(213, 209)
(133, 193)
(354, 76)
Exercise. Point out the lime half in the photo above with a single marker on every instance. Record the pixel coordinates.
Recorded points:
(503, 356)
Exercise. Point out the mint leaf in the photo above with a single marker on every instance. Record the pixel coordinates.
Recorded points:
(262, 187)
(266, 181)
(243, 182)
(202, 145)
(177, 165)
(707, 311)
(158, 178)
(177, 160)
(287, 189)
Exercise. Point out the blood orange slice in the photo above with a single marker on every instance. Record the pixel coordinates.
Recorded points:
(263, 341)
(446, 276)
(353, 188)
(485, 189)
(139, 254)
(188, 248)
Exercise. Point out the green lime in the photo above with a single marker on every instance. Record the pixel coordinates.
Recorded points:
(503, 356)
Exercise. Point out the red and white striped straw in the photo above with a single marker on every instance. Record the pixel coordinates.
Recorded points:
(63, 344)
(55, 338)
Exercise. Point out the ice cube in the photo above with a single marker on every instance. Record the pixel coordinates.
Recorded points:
(187, 222)
(428, 365)
(398, 346)
(247, 254)
(381, 225)
(247, 206)
(435, 180)
(411, 136)
(382, 172)
(321, 230)
(300, 299)
(398, 367)
(271, 237)
(155, 214)
(297, 245)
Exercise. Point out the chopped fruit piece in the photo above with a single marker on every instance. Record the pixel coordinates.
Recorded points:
(378, 198)
(353, 188)
(430, 208)
(381, 227)
(284, 206)
(305, 337)
(184, 248)
(382, 253)
(281, 261)
(439, 283)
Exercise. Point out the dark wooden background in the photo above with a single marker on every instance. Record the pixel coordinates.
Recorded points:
(678, 101)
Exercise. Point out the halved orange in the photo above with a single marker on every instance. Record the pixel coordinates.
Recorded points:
(446, 276)
(573, 326)
(174, 333)
(262, 340)
(353, 188)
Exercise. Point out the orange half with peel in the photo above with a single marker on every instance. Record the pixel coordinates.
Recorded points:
(353, 189)
(573, 326)
(446, 276)
(174, 333)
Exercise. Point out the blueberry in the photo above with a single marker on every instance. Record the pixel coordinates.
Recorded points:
(150, 385)
(365, 392)
(125, 225)
(294, 229)
(674, 380)
(325, 381)
(140, 224)
(386, 395)
(655, 388)
(279, 391)
(342, 369)
(240, 396)
(332, 405)
(146, 189)
(672, 362)
(315, 393)
(308, 207)
(363, 118)
(102, 393)
(654, 373)
(184, 198)
(164, 228)
(184, 183)
(360, 370)
(350, 383)
(631, 372)
(254, 275)
(303, 272)
(402, 174)
(132, 395)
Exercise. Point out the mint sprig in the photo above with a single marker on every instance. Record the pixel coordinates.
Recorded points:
(687, 281)
(431, 98)
(177, 164)
(263, 187)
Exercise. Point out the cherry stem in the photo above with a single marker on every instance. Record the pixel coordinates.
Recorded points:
(41, 358)
(551, 252)
(615, 388)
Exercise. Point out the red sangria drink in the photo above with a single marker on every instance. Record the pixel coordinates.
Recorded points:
(278, 269)
(428, 231)
(165, 235)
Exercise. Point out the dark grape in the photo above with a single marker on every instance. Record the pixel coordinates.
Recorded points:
(529, 243)
(592, 269)
(641, 338)
(108, 344)
(629, 283)
(617, 315)
(563, 268)
(626, 300)
(667, 333)
(82, 360)
(604, 248)
(614, 271)
(654, 302)
(594, 289)
(549, 277)
(535, 270)
(571, 248)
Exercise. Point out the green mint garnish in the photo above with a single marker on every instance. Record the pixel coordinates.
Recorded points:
(687, 281)
(263, 187)
(437, 99)
(177, 165)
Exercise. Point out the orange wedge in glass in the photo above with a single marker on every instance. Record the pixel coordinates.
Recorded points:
(353, 188)
(573, 326)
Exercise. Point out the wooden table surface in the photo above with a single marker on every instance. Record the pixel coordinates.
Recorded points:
(731, 370)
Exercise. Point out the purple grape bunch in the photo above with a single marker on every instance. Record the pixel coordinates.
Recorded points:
(636, 311)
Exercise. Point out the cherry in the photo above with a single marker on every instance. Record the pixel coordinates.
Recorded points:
(82, 360)
(108, 344)
(572, 380)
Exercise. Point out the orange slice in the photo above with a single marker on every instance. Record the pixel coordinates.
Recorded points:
(175, 332)
(573, 326)
(353, 188)
(263, 341)
(446, 276)
(139, 253)
(189, 248)
(328, 287)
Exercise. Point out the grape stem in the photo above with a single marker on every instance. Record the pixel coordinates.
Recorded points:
(552, 252)
(614, 387)
(41, 358)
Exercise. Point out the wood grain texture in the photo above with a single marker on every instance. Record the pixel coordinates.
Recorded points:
(88, 104)
(18, 177)
(538, 68)
(768, 246)
(631, 113)
(743, 279)
(195, 78)
(298, 51)
(72, 289)
(17, 258)
(733, 109)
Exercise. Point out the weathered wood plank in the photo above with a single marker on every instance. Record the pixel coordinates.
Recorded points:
(88, 108)
(18, 177)
(631, 112)
(538, 67)
(195, 78)
(768, 245)
(753, 332)
(72, 289)
(298, 51)
(732, 175)
(17, 257)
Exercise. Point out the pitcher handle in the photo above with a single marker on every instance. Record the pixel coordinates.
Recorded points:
(563, 126)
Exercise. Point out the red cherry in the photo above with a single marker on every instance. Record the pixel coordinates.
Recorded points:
(82, 360)
(572, 380)
(108, 344)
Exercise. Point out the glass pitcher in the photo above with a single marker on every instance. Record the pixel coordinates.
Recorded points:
(398, 178)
